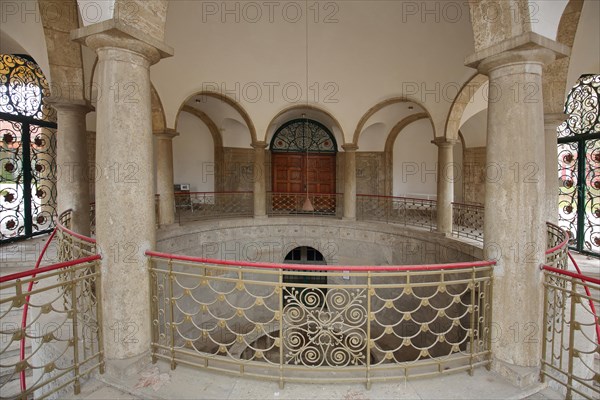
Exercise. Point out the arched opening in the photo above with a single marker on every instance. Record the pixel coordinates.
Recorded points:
(307, 293)
(579, 166)
(303, 167)
(27, 157)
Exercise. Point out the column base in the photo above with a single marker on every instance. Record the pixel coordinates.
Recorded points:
(348, 218)
(119, 370)
(261, 216)
(521, 377)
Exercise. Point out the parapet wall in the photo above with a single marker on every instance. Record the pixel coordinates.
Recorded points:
(341, 242)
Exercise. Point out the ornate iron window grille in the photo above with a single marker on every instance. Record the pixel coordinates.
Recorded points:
(27, 156)
(303, 135)
(579, 165)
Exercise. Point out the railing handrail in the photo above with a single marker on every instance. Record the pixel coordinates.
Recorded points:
(322, 268)
(561, 244)
(74, 234)
(304, 193)
(49, 268)
(395, 197)
(223, 192)
(575, 275)
(457, 203)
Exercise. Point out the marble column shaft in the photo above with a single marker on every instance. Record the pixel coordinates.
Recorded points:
(350, 181)
(445, 184)
(260, 187)
(164, 177)
(515, 213)
(73, 169)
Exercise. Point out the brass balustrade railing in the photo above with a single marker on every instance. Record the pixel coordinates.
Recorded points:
(56, 310)
(557, 247)
(364, 324)
(467, 221)
(397, 210)
(318, 204)
(193, 206)
(571, 334)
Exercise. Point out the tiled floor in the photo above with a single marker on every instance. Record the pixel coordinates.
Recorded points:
(187, 383)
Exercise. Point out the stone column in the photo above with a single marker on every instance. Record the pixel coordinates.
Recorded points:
(445, 184)
(125, 222)
(72, 185)
(350, 181)
(260, 187)
(551, 122)
(164, 176)
(514, 222)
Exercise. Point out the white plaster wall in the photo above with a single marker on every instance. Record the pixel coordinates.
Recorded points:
(415, 162)
(22, 22)
(474, 130)
(349, 70)
(545, 16)
(94, 11)
(193, 154)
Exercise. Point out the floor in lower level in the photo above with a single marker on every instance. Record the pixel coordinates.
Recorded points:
(188, 383)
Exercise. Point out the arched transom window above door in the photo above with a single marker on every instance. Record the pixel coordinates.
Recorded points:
(303, 135)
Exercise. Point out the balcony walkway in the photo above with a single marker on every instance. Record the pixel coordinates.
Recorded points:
(187, 383)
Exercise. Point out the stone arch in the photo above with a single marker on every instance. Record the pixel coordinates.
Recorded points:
(462, 100)
(554, 76)
(297, 109)
(381, 105)
(64, 56)
(228, 100)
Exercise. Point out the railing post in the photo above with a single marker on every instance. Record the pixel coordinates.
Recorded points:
(573, 326)
(544, 328)
(171, 313)
(99, 323)
(75, 340)
(153, 314)
(368, 346)
(281, 345)
(472, 320)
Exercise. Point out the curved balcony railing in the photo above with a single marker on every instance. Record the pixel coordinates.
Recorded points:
(356, 324)
(318, 204)
(467, 221)
(404, 211)
(59, 318)
(571, 334)
(193, 206)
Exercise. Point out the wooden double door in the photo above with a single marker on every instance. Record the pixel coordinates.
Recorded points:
(295, 174)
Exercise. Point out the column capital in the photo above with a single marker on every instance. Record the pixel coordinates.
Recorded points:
(527, 47)
(167, 134)
(442, 141)
(114, 33)
(259, 145)
(553, 120)
(63, 104)
(349, 147)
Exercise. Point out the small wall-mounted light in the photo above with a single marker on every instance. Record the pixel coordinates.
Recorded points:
(409, 107)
